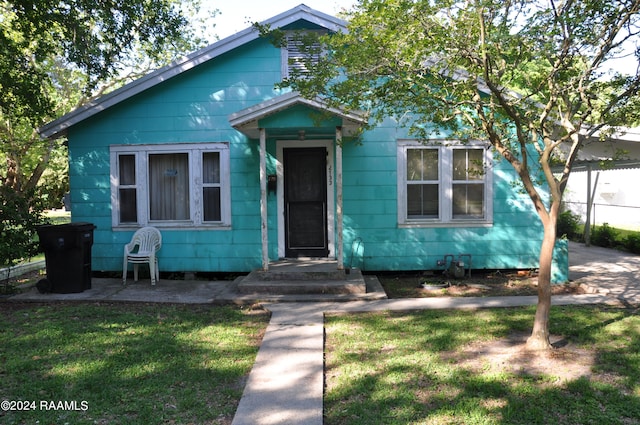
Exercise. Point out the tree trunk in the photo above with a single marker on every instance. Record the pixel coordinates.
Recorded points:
(539, 339)
(40, 168)
(13, 173)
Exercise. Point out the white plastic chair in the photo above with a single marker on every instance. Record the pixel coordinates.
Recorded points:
(142, 249)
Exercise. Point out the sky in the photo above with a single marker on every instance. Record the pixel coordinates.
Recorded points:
(236, 15)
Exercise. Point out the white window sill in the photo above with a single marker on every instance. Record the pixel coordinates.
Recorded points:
(435, 224)
(166, 226)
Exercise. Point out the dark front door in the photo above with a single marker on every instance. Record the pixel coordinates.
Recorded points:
(305, 202)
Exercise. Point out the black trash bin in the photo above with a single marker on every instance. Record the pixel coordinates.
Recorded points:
(67, 251)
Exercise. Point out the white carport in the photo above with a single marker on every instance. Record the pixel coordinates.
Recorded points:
(618, 151)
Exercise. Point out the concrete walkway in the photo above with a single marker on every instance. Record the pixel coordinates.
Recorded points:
(286, 384)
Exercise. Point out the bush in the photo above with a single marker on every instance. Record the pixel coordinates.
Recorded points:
(20, 215)
(605, 236)
(568, 225)
(632, 243)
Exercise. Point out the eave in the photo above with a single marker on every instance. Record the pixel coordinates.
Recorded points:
(247, 120)
(59, 128)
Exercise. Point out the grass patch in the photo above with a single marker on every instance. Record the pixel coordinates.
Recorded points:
(130, 363)
(458, 367)
(58, 216)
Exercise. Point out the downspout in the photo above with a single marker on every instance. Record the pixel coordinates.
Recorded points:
(263, 200)
(339, 217)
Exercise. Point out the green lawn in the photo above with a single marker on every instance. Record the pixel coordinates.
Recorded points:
(126, 363)
(440, 367)
(58, 216)
(144, 363)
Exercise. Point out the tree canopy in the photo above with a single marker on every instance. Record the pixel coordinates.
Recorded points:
(528, 76)
(93, 36)
(56, 55)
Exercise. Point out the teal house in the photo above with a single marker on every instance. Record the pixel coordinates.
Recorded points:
(237, 174)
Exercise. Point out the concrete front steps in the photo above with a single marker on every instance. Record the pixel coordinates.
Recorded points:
(304, 277)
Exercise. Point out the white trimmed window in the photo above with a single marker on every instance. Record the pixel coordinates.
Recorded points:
(445, 183)
(182, 185)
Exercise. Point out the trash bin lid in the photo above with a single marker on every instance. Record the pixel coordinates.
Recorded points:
(80, 225)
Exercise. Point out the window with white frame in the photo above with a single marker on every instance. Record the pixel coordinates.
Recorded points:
(170, 185)
(300, 49)
(443, 183)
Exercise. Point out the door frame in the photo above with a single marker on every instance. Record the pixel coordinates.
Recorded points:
(330, 184)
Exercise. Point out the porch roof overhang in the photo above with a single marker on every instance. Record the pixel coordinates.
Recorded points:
(249, 121)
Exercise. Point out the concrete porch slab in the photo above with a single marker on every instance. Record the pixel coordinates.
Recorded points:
(303, 277)
(190, 292)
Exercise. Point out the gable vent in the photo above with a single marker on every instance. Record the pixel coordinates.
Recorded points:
(298, 56)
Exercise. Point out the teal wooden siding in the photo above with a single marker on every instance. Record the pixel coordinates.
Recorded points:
(194, 107)
(374, 241)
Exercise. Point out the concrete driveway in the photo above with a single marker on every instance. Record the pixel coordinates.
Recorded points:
(604, 270)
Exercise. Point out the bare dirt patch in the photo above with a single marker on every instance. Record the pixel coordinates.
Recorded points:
(480, 284)
(16, 284)
(564, 362)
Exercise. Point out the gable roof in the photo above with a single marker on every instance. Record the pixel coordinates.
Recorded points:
(247, 119)
(59, 127)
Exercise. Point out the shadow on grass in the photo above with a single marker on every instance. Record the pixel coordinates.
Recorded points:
(130, 363)
(393, 369)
